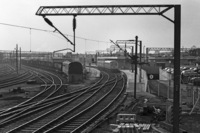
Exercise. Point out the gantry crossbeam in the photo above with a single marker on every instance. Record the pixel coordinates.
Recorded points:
(104, 10)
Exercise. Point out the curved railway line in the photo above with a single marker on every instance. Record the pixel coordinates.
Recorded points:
(21, 78)
(6, 70)
(9, 76)
(50, 80)
(69, 112)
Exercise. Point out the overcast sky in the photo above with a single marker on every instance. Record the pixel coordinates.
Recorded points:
(154, 31)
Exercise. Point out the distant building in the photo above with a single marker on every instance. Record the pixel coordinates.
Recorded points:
(195, 52)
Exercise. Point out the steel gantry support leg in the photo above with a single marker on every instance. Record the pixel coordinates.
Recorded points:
(177, 45)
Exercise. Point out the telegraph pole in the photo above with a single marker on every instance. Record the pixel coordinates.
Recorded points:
(17, 58)
(11, 57)
(20, 56)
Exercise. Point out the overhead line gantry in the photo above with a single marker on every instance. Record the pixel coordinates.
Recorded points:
(105, 10)
(132, 10)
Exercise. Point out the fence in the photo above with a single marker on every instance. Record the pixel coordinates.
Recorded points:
(189, 94)
(161, 88)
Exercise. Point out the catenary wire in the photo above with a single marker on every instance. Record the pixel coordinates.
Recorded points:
(37, 29)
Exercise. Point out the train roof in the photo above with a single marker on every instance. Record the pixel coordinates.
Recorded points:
(75, 68)
(104, 58)
(109, 61)
(66, 62)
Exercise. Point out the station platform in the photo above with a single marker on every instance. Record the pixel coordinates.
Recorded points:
(141, 84)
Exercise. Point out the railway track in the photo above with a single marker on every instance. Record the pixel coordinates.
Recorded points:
(48, 90)
(53, 110)
(14, 118)
(40, 96)
(6, 70)
(21, 78)
(86, 117)
(9, 77)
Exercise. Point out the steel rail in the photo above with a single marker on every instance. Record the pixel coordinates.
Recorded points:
(100, 113)
(17, 80)
(15, 108)
(90, 109)
(86, 91)
(32, 105)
